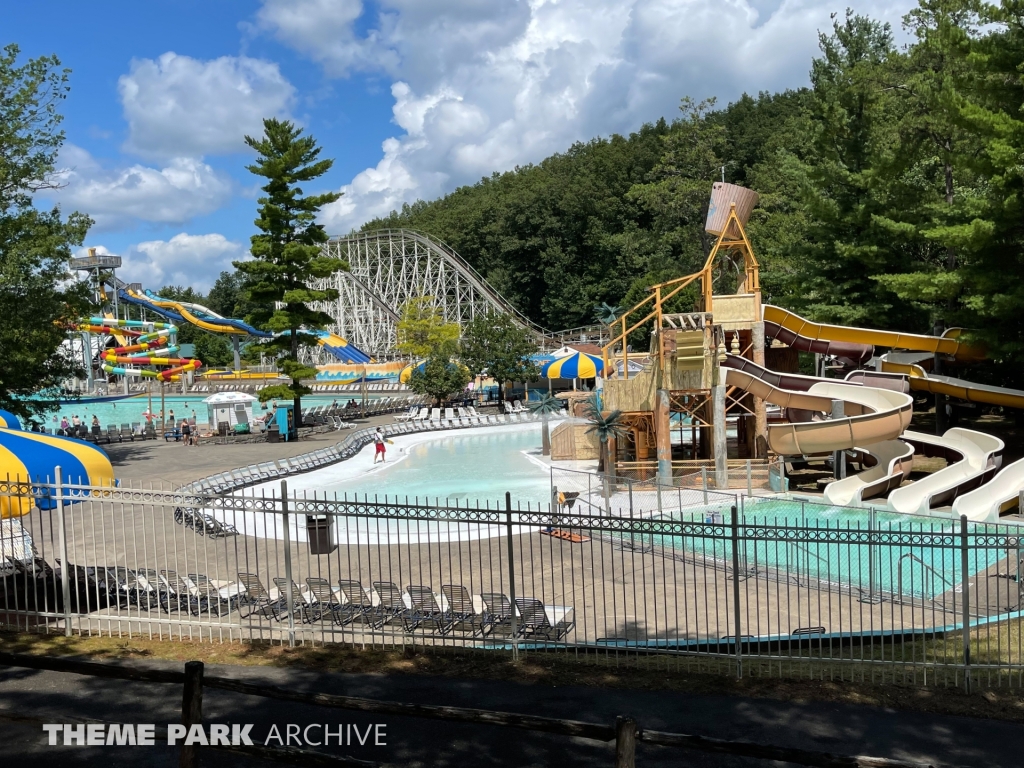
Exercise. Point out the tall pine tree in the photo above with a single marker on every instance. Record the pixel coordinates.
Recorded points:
(287, 254)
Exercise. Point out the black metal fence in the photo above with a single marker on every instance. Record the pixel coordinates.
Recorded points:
(748, 585)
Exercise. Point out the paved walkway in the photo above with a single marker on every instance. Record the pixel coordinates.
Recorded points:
(174, 463)
(838, 728)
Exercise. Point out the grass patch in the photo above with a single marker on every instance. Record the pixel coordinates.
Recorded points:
(788, 681)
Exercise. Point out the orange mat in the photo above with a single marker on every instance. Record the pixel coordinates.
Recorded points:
(557, 533)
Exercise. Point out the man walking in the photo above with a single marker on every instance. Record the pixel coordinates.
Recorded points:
(378, 440)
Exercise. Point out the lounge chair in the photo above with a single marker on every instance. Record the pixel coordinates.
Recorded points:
(302, 609)
(435, 417)
(425, 612)
(127, 433)
(256, 599)
(357, 605)
(177, 595)
(459, 614)
(449, 416)
(497, 615)
(392, 604)
(534, 621)
(211, 598)
(410, 414)
(326, 603)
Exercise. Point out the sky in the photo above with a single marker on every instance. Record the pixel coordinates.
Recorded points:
(411, 98)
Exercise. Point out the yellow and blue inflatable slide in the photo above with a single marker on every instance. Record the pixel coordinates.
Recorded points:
(30, 457)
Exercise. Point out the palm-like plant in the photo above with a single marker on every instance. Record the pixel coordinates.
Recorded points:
(607, 426)
(545, 406)
(606, 313)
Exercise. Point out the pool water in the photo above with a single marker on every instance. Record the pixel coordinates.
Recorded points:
(471, 468)
(475, 468)
(834, 547)
(130, 410)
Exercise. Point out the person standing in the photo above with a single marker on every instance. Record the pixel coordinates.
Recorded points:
(186, 432)
(378, 441)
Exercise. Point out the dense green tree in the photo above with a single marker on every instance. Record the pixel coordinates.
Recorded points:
(213, 350)
(422, 330)
(41, 303)
(439, 377)
(286, 253)
(496, 344)
(228, 297)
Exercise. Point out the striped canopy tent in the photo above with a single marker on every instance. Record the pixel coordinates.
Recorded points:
(29, 456)
(578, 365)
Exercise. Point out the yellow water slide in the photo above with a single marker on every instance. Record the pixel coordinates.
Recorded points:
(948, 344)
(924, 381)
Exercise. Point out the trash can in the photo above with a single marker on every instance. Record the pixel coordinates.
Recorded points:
(273, 434)
(321, 534)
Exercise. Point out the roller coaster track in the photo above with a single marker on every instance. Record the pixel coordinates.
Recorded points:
(391, 266)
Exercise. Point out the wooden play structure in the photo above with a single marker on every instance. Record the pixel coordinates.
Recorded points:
(675, 410)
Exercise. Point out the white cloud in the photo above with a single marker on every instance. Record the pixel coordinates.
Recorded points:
(177, 106)
(480, 87)
(179, 191)
(186, 260)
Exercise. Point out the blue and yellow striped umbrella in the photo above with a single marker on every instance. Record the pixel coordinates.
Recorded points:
(29, 456)
(576, 366)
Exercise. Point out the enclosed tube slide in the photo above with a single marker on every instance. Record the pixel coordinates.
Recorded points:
(894, 461)
(1000, 494)
(973, 458)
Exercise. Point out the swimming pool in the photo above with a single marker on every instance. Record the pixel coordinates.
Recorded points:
(130, 409)
(471, 467)
(869, 550)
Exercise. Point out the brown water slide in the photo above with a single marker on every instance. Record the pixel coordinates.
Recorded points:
(871, 415)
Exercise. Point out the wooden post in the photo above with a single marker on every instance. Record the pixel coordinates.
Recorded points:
(191, 710)
(625, 742)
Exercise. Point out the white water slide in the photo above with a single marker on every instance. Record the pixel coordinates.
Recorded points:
(972, 458)
(1000, 494)
(894, 460)
(870, 415)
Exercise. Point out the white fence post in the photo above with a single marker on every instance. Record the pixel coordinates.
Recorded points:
(288, 563)
(62, 544)
(511, 574)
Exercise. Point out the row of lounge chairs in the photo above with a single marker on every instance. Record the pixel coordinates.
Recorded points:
(112, 434)
(417, 608)
(373, 386)
(443, 418)
(148, 589)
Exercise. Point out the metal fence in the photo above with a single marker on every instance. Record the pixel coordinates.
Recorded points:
(754, 586)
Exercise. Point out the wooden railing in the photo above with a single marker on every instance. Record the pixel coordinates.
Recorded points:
(625, 732)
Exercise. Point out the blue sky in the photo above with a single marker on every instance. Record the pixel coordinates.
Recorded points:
(410, 98)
